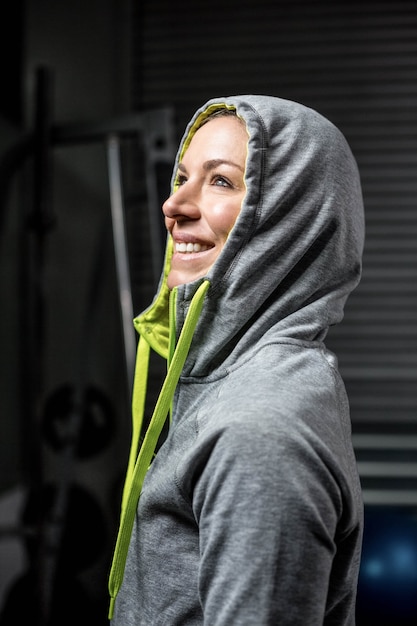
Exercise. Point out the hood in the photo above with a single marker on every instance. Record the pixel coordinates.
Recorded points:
(294, 253)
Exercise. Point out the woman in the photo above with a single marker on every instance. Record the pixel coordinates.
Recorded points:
(251, 510)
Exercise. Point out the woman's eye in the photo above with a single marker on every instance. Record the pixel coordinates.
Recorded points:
(181, 179)
(221, 181)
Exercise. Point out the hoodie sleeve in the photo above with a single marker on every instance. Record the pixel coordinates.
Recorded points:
(268, 507)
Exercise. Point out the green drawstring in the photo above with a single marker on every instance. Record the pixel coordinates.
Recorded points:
(137, 469)
(138, 410)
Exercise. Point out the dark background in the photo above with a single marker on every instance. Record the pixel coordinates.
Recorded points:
(67, 63)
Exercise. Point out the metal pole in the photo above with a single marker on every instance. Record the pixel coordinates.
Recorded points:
(121, 254)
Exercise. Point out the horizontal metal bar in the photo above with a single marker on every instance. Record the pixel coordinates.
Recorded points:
(95, 131)
(128, 125)
(385, 442)
(387, 469)
(372, 373)
(382, 497)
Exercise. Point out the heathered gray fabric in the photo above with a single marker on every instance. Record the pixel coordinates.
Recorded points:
(251, 512)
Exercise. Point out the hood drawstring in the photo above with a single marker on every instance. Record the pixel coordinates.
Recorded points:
(139, 463)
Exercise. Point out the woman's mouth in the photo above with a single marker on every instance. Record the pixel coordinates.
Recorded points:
(189, 248)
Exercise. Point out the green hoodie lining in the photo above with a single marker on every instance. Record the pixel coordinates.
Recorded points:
(153, 323)
(139, 463)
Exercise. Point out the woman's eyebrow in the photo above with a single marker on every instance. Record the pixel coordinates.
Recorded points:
(212, 164)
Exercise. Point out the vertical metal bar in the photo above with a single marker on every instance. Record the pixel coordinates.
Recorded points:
(158, 136)
(121, 254)
(39, 222)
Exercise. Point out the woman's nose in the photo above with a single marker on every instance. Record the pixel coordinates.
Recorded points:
(182, 204)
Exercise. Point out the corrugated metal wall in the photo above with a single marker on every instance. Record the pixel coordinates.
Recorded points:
(357, 64)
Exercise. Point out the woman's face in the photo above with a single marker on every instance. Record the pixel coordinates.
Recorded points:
(202, 211)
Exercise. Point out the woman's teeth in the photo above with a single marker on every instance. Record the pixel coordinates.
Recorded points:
(190, 247)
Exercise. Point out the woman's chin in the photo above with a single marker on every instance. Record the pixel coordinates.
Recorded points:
(178, 277)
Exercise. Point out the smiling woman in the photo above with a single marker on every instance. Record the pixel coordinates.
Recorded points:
(209, 192)
(250, 512)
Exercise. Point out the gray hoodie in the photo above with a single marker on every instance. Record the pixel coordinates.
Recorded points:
(251, 511)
